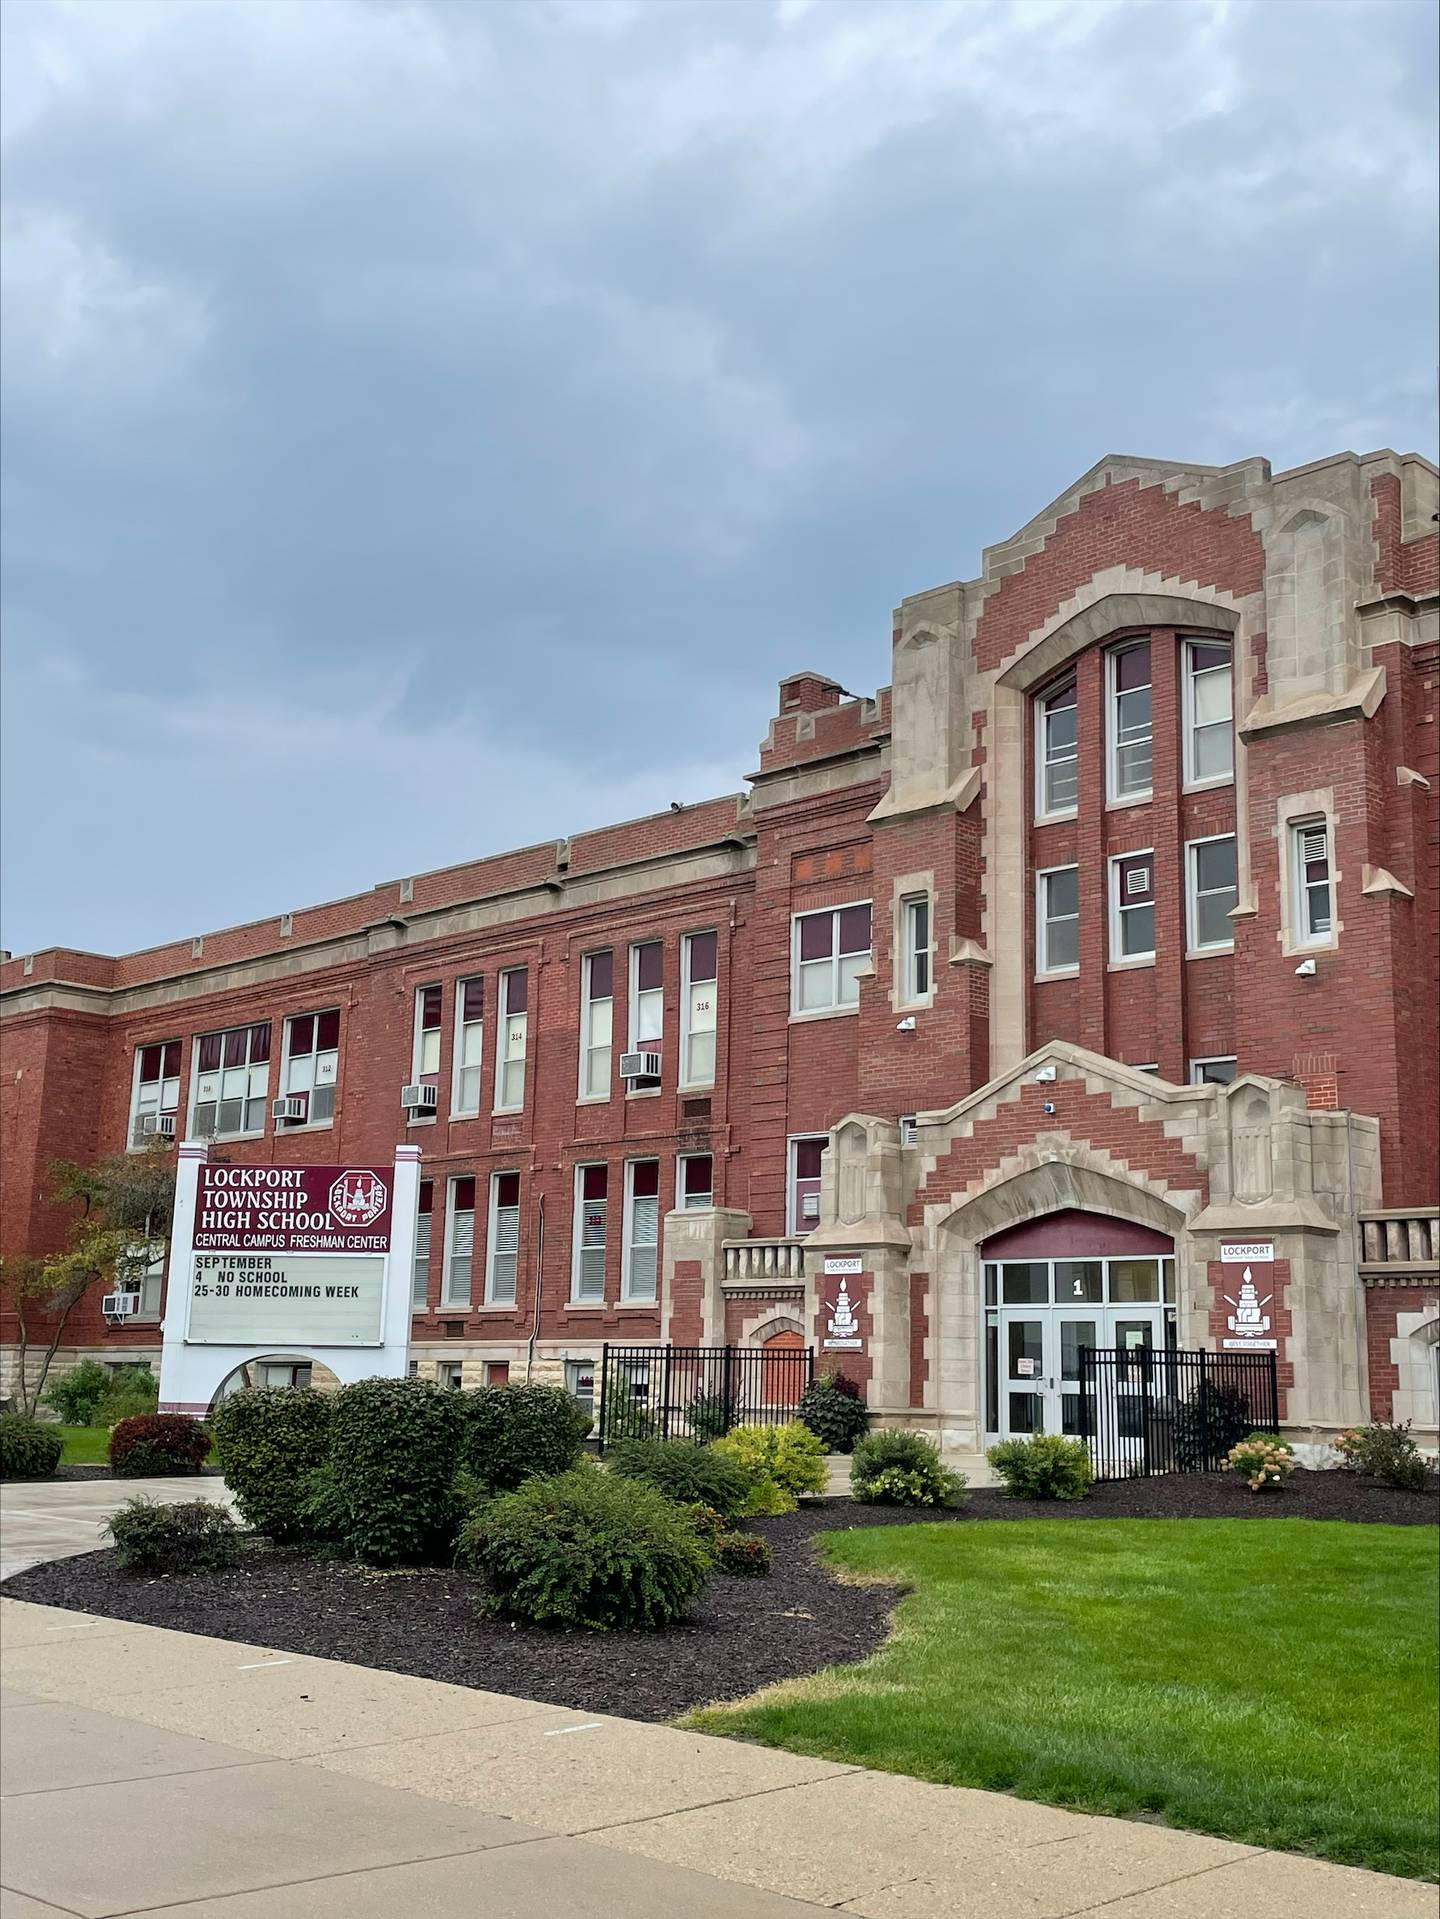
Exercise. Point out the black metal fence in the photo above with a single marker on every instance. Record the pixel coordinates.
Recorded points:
(697, 1392)
(1146, 1411)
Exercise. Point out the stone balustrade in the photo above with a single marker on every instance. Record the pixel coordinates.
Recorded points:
(1402, 1240)
(754, 1262)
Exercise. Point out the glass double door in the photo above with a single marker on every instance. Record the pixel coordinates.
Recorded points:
(1040, 1361)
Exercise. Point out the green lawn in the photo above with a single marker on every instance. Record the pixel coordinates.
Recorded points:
(85, 1446)
(1273, 1682)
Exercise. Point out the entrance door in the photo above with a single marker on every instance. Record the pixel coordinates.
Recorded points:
(1040, 1355)
(782, 1369)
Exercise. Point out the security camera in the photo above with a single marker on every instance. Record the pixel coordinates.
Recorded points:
(907, 1025)
(1305, 970)
(1045, 1073)
(1049, 1107)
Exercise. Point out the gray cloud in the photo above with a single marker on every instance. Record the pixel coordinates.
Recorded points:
(432, 427)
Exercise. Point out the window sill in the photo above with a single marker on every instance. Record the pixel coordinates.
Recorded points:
(469, 1112)
(283, 1131)
(1311, 949)
(1057, 972)
(636, 1305)
(497, 1306)
(1132, 963)
(586, 1305)
(1210, 952)
(824, 1012)
(422, 1119)
(593, 1099)
(1057, 819)
(1208, 786)
(1130, 799)
(700, 1086)
(505, 1112)
(912, 1006)
(644, 1092)
(230, 1139)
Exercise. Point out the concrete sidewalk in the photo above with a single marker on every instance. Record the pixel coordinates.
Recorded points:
(44, 1519)
(144, 1768)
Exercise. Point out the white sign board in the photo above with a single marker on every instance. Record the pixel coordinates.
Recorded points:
(1251, 1252)
(845, 1264)
(286, 1299)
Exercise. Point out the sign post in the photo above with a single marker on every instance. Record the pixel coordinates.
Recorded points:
(312, 1262)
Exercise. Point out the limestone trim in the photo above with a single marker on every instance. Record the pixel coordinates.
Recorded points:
(1359, 700)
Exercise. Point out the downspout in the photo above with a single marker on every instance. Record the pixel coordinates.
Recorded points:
(539, 1276)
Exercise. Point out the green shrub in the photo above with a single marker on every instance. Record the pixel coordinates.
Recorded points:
(1264, 1461)
(779, 1463)
(1043, 1467)
(1208, 1424)
(834, 1410)
(693, 1475)
(586, 1549)
(903, 1469)
(708, 1526)
(709, 1415)
(270, 1441)
(28, 1450)
(1389, 1453)
(153, 1445)
(744, 1556)
(76, 1394)
(625, 1417)
(394, 1449)
(513, 1432)
(195, 1536)
(132, 1389)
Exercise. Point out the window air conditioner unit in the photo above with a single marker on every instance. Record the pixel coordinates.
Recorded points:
(809, 1206)
(157, 1125)
(290, 1106)
(119, 1305)
(419, 1098)
(639, 1066)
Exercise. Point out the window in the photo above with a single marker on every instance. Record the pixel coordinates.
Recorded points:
(504, 1241)
(497, 1372)
(597, 1023)
(831, 951)
(1310, 861)
(425, 1062)
(647, 1006)
(1151, 1067)
(146, 1281)
(642, 1228)
(697, 1010)
(1209, 713)
(580, 1383)
(232, 1073)
(450, 1372)
(1132, 906)
(1057, 920)
(510, 1061)
(1057, 752)
(805, 1182)
(156, 1091)
(1212, 1072)
(460, 1242)
(286, 1373)
(697, 1181)
(1214, 890)
(469, 1046)
(420, 1268)
(1130, 722)
(312, 1065)
(915, 931)
(591, 1190)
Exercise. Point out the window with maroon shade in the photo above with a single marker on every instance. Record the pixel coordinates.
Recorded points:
(697, 1181)
(504, 1242)
(592, 1189)
(647, 1007)
(1130, 729)
(420, 1269)
(429, 1011)
(232, 1077)
(156, 1091)
(642, 1230)
(830, 952)
(805, 1155)
(698, 1009)
(311, 1067)
(469, 1046)
(597, 1023)
(512, 1040)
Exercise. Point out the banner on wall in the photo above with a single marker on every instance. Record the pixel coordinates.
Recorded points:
(1248, 1290)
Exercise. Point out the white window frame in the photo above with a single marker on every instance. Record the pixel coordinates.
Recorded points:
(137, 1112)
(450, 1373)
(448, 1299)
(492, 1241)
(420, 1259)
(1194, 782)
(1213, 1059)
(577, 1297)
(628, 1242)
(1305, 938)
(1043, 703)
(688, 1083)
(314, 1056)
(588, 1046)
(250, 1132)
(914, 951)
(460, 1107)
(644, 1089)
(418, 1069)
(1112, 726)
(794, 1224)
(1118, 909)
(574, 1367)
(682, 1202)
(1193, 942)
(503, 1057)
(1043, 968)
(836, 1007)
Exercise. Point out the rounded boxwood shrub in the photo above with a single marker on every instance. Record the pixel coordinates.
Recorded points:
(394, 1447)
(693, 1475)
(835, 1411)
(270, 1441)
(586, 1549)
(903, 1469)
(511, 1433)
(195, 1536)
(1043, 1467)
(779, 1463)
(154, 1445)
(28, 1450)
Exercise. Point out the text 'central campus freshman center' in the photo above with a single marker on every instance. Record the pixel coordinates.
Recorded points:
(1079, 989)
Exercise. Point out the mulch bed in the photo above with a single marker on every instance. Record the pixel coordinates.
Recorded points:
(747, 1633)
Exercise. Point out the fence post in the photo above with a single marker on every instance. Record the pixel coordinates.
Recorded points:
(604, 1397)
(727, 1385)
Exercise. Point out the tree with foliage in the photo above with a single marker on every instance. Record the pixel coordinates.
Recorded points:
(120, 1228)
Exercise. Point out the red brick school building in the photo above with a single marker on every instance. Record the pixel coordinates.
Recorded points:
(1090, 963)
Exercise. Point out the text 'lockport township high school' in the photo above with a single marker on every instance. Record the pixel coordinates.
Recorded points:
(1099, 942)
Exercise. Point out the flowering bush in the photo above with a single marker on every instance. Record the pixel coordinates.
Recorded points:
(1388, 1452)
(1262, 1461)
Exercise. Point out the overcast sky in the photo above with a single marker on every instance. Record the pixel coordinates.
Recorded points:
(434, 426)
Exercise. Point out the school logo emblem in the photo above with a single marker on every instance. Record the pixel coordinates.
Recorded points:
(357, 1198)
